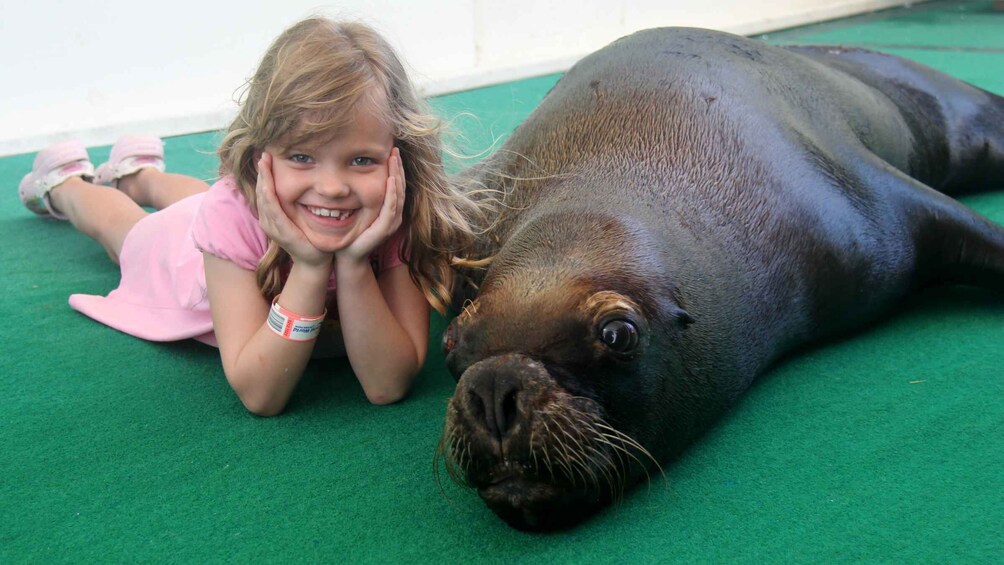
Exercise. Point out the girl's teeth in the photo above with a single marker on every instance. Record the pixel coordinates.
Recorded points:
(329, 213)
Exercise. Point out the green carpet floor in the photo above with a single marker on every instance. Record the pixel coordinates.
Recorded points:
(884, 447)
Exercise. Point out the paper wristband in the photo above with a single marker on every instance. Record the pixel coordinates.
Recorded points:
(294, 327)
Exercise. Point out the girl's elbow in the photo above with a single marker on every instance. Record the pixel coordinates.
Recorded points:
(258, 402)
(386, 396)
(391, 392)
(263, 409)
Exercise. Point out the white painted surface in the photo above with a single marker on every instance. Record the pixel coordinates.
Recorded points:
(94, 70)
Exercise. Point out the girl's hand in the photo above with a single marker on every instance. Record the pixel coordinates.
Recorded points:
(277, 225)
(388, 220)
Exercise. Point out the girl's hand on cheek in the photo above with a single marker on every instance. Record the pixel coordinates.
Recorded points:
(277, 225)
(389, 219)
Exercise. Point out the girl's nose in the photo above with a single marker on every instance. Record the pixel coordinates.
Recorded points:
(332, 184)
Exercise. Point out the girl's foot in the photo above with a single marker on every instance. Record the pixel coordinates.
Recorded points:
(129, 155)
(52, 167)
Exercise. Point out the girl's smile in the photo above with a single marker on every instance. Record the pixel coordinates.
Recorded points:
(328, 213)
(333, 190)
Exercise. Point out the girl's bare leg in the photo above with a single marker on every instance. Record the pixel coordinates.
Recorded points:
(150, 187)
(106, 214)
(102, 213)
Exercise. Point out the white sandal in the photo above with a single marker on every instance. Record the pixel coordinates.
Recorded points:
(52, 166)
(129, 155)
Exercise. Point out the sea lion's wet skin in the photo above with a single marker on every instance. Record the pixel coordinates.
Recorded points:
(693, 205)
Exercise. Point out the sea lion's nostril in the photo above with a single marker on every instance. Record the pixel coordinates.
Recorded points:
(506, 411)
(493, 401)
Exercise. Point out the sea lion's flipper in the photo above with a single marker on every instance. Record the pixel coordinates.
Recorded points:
(957, 148)
(953, 244)
(958, 129)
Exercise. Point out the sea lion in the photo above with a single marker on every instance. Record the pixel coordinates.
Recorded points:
(684, 207)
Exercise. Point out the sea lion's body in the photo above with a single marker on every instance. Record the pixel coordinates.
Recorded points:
(689, 206)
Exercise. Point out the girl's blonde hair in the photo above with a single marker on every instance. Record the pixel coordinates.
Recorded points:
(307, 85)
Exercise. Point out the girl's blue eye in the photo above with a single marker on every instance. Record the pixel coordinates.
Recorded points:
(362, 161)
(300, 158)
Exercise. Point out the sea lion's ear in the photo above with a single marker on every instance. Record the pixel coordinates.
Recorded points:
(681, 315)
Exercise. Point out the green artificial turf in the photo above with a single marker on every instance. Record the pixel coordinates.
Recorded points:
(887, 446)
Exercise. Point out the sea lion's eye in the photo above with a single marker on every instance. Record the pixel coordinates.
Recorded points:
(450, 337)
(619, 335)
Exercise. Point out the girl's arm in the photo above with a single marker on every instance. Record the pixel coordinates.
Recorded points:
(385, 321)
(262, 367)
(385, 326)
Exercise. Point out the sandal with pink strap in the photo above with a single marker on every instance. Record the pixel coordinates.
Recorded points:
(52, 166)
(128, 156)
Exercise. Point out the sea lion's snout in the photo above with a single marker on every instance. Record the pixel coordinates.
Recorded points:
(493, 395)
(540, 457)
(494, 405)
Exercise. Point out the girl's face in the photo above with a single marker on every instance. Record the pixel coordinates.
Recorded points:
(333, 190)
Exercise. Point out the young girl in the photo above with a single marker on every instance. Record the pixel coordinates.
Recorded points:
(312, 223)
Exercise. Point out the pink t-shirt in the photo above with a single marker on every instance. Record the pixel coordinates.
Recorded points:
(162, 295)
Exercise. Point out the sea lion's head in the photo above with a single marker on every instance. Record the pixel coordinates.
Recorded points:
(564, 366)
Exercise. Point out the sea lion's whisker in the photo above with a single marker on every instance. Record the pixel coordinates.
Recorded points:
(568, 456)
(609, 440)
(577, 457)
(585, 422)
(584, 443)
(564, 460)
(602, 460)
(630, 442)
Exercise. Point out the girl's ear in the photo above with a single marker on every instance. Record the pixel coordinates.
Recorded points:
(257, 157)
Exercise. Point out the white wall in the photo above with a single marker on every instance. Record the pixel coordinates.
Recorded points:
(96, 69)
